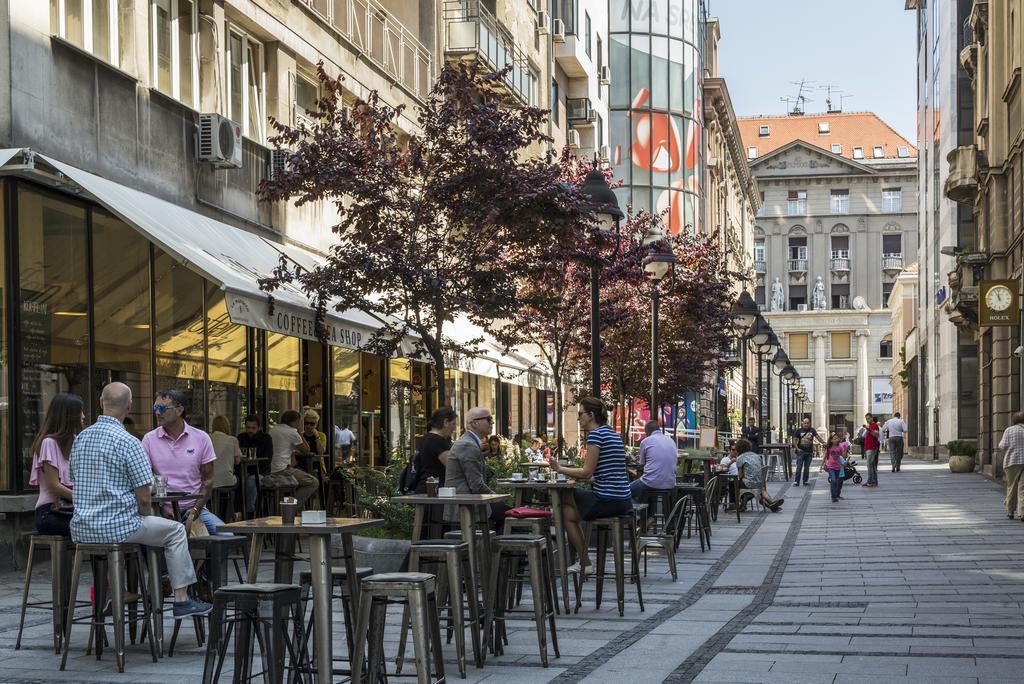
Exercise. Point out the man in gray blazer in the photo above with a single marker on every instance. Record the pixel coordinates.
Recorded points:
(466, 469)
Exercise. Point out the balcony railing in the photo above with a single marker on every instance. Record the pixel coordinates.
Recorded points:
(797, 265)
(759, 266)
(376, 35)
(472, 31)
(840, 264)
(892, 262)
(578, 110)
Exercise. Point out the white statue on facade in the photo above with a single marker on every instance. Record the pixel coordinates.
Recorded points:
(778, 296)
(818, 297)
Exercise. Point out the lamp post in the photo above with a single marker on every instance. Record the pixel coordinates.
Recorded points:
(658, 264)
(605, 207)
(761, 336)
(744, 313)
(780, 362)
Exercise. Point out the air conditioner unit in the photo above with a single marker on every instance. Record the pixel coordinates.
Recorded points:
(591, 116)
(220, 141)
(278, 163)
(606, 153)
(558, 31)
(543, 21)
(572, 139)
(605, 77)
(801, 307)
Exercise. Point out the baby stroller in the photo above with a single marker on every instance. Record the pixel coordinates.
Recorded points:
(850, 472)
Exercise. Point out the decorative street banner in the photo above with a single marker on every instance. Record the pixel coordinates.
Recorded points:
(881, 396)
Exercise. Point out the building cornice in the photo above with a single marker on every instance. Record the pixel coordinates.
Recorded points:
(716, 95)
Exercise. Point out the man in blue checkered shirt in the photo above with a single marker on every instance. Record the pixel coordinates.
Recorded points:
(112, 476)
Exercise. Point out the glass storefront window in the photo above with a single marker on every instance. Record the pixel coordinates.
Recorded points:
(5, 399)
(370, 431)
(121, 305)
(53, 297)
(179, 334)
(226, 362)
(282, 376)
(346, 389)
(400, 403)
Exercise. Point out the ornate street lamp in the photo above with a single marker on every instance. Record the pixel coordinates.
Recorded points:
(744, 312)
(605, 206)
(765, 342)
(658, 264)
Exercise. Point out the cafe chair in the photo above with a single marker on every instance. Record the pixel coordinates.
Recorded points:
(660, 503)
(222, 502)
(61, 550)
(109, 562)
(417, 589)
(619, 527)
(509, 551)
(272, 613)
(453, 554)
(666, 537)
(536, 521)
(339, 582)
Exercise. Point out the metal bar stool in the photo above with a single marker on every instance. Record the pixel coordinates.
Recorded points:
(376, 592)
(223, 502)
(339, 580)
(538, 526)
(262, 610)
(60, 565)
(620, 527)
(660, 503)
(108, 560)
(508, 550)
(454, 554)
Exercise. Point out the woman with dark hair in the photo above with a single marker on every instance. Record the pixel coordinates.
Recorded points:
(493, 449)
(51, 449)
(605, 466)
(432, 454)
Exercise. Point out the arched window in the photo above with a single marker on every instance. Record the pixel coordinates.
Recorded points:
(885, 347)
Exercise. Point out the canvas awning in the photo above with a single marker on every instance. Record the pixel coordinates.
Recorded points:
(233, 258)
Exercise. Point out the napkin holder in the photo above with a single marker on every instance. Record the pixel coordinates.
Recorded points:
(314, 517)
(445, 492)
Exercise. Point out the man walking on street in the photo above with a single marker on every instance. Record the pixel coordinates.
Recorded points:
(803, 442)
(870, 445)
(112, 476)
(1012, 445)
(753, 434)
(894, 429)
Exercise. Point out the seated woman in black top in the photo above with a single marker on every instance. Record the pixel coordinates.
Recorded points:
(432, 454)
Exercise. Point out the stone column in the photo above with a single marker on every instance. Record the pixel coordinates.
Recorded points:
(863, 393)
(819, 408)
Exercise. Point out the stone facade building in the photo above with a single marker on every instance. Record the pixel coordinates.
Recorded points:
(986, 175)
(839, 214)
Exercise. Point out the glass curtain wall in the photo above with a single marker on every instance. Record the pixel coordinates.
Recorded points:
(53, 297)
(121, 309)
(371, 436)
(180, 325)
(400, 393)
(5, 398)
(227, 362)
(657, 112)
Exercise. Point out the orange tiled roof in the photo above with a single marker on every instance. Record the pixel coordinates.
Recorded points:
(849, 129)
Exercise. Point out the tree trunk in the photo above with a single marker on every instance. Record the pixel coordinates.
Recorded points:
(442, 389)
(559, 436)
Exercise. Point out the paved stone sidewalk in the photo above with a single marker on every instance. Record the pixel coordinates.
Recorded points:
(920, 580)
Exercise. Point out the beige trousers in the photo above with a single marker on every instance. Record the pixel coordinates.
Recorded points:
(1015, 491)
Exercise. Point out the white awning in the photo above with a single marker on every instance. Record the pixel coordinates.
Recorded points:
(234, 258)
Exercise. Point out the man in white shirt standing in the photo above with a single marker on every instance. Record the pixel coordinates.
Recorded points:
(894, 429)
(344, 440)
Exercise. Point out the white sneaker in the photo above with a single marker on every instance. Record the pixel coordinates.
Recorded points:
(575, 568)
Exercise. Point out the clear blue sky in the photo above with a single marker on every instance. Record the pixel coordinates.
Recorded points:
(866, 48)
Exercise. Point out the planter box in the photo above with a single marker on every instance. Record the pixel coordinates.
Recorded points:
(959, 463)
(383, 555)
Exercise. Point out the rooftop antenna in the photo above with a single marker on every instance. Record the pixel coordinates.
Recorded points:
(800, 100)
(832, 92)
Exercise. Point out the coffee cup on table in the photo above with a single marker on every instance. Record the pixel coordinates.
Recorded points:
(517, 476)
(432, 484)
(289, 507)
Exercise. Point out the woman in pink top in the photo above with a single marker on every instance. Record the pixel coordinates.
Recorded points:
(51, 448)
(838, 448)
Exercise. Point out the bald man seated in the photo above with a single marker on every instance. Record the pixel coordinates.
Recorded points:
(466, 467)
(112, 476)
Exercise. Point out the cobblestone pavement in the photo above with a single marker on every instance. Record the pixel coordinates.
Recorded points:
(919, 580)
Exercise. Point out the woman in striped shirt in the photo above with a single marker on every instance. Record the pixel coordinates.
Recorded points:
(605, 466)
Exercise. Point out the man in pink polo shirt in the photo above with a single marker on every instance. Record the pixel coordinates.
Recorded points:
(184, 455)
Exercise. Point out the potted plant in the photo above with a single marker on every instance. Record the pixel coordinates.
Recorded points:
(961, 456)
(385, 549)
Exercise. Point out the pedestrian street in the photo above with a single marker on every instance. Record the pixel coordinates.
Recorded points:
(919, 580)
